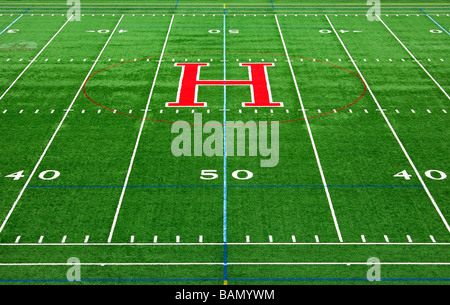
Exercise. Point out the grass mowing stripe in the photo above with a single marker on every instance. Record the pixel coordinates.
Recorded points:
(392, 129)
(415, 59)
(434, 21)
(139, 135)
(59, 126)
(14, 21)
(33, 60)
(322, 175)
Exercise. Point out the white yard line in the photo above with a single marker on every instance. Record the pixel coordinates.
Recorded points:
(235, 264)
(415, 59)
(139, 136)
(311, 136)
(56, 131)
(33, 60)
(231, 244)
(392, 130)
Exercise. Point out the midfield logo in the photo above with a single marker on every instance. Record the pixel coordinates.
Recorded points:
(258, 82)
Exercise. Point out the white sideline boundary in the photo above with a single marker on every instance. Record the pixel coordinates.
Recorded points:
(235, 264)
(392, 130)
(415, 59)
(322, 175)
(111, 233)
(57, 129)
(34, 59)
(221, 244)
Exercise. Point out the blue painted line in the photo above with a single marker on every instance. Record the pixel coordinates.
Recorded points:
(217, 186)
(434, 21)
(271, 2)
(111, 280)
(225, 205)
(343, 279)
(176, 4)
(14, 21)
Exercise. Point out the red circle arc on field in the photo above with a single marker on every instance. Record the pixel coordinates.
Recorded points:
(162, 121)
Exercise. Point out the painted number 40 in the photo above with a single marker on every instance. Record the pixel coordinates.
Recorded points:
(432, 174)
(45, 175)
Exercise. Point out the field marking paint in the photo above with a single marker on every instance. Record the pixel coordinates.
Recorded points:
(34, 59)
(5, 29)
(393, 131)
(433, 243)
(415, 59)
(236, 264)
(435, 21)
(225, 182)
(311, 136)
(139, 135)
(57, 129)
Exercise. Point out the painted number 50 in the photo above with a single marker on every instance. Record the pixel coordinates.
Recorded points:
(211, 174)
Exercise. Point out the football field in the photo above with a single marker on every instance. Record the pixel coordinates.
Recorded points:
(126, 142)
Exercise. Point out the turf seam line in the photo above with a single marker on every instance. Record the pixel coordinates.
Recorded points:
(434, 21)
(139, 134)
(59, 126)
(316, 153)
(392, 129)
(33, 60)
(415, 59)
(14, 21)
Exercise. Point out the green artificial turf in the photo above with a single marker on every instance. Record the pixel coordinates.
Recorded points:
(333, 186)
